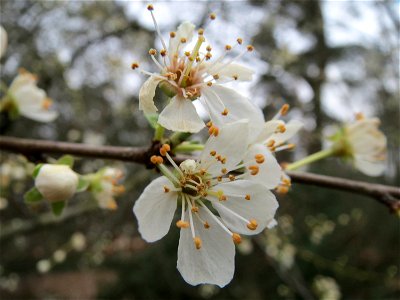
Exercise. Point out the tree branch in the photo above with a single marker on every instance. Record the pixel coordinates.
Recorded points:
(386, 195)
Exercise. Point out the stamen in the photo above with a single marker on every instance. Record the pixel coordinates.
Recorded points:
(151, 8)
(47, 103)
(197, 242)
(232, 177)
(281, 128)
(247, 197)
(359, 116)
(259, 158)
(166, 189)
(237, 239)
(213, 16)
(173, 163)
(182, 224)
(285, 147)
(282, 112)
(134, 65)
(215, 218)
(156, 159)
(164, 149)
(252, 224)
(213, 130)
(213, 153)
(172, 34)
(253, 170)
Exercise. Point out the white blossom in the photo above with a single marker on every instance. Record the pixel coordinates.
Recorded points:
(206, 246)
(189, 74)
(3, 41)
(108, 187)
(56, 182)
(29, 100)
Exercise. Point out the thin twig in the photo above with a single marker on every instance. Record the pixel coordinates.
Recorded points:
(387, 195)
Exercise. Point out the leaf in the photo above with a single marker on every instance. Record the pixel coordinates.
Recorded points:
(57, 207)
(33, 196)
(83, 184)
(67, 160)
(36, 170)
(152, 119)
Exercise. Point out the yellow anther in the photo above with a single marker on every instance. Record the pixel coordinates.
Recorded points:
(134, 65)
(209, 83)
(182, 224)
(237, 239)
(235, 76)
(224, 171)
(281, 128)
(195, 209)
(222, 198)
(163, 52)
(112, 205)
(197, 242)
(254, 170)
(259, 158)
(183, 40)
(187, 53)
(47, 103)
(209, 124)
(213, 16)
(203, 171)
(156, 159)
(252, 224)
(197, 59)
(239, 41)
(270, 143)
(213, 130)
(359, 116)
(223, 160)
(250, 48)
(286, 181)
(172, 34)
(200, 31)
(219, 178)
(166, 189)
(232, 177)
(206, 225)
(225, 112)
(208, 56)
(247, 197)
(291, 146)
(213, 152)
(150, 7)
(152, 51)
(208, 48)
(216, 76)
(228, 47)
(118, 189)
(284, 109)
(164, 149)
(282, 189)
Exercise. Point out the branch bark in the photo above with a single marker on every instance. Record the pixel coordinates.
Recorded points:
(386, 195)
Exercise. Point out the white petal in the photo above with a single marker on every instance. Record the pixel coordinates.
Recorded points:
(185, 30)
(269, 171)
(261, 206)
(23, 79)
(268, 129)
(369, 168)
(291, 129)
(238, 106)
(230, 143)
(228, 72)
(146, 95)
(181, 115)
(3, 41)
(155, 209)
(41, 115)
(213, 263)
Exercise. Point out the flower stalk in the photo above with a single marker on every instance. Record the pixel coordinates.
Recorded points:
(311, 158)
(187, 147)
(159, 133)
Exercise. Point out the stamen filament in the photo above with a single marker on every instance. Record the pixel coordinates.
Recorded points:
(173, 164)
(158, 30)
(216, 219)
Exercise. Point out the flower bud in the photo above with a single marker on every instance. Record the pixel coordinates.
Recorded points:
(56, 182)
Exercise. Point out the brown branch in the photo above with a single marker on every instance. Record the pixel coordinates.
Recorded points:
(387, 195)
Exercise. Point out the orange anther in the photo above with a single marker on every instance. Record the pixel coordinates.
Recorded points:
(134, 65)
(183, 40)
(213, 16)
(166, 189)
(47, 103)
(213, 153)
(150, 7)
(250, 48)
(285, 109)
(228, 47)
(152, 51)
(239, 41)
(163, 52)
(182, 224)
(225, 112)
(232, 177)
(252, 224)
(197, 242)
(224, 171)
(254, 170)
(237, 239)
(206, 225)
(172, 34)
(156, 159)
(247, 197)
(222, 198)
(259, 158)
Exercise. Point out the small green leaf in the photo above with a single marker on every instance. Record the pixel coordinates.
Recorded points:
(36, 170)
(66, 160)
(57, 207)
(33, 196)
(83, 184)
(152, 119)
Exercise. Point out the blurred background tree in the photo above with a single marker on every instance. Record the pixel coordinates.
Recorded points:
(328, 60)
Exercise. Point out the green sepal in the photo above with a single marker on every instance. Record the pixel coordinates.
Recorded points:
(57, 207)
(152, 119)
(36, 170)
(67, 160)
(95, 186)
(33, 196)
(83, 184)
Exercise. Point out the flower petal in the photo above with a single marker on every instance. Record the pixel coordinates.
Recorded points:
(180, 115)
(269, 173)
(291, 129)
(213, 263)
(230, 143)
(261, 206)
(216, 98)
(230, 71)
(268, 129)
(185, 31)
(155, 209)
(368, 167)
(146, 95)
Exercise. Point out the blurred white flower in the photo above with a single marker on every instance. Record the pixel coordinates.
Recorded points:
(106, 187)
(189, 75)
(78, 241)
(206, 246)
(364, 144)
(43, 265)
(3, 41)
(59, 256)
(326, 288)
(25, 98)
(56, 182)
